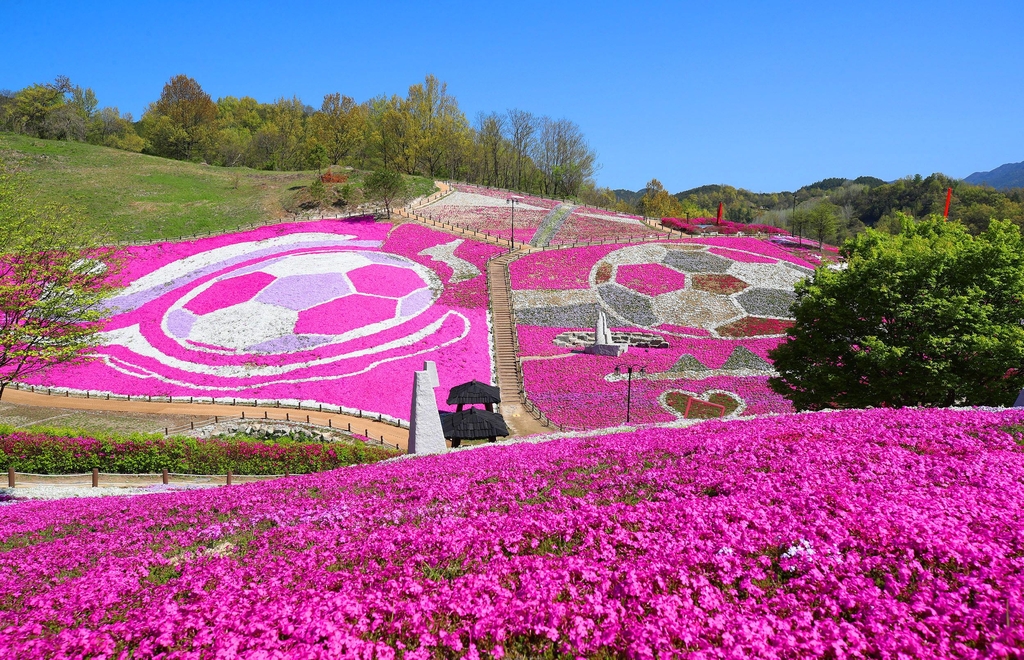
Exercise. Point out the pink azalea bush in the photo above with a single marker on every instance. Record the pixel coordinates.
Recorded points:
(310, 334)
(705, 225)
(883, 534)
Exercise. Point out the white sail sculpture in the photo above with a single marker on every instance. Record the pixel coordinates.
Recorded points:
(603, 344)
(425, 433)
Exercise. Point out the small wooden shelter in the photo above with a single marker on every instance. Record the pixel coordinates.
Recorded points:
(474, 392)
(473, 424)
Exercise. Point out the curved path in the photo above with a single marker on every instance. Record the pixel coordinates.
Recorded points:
(391, 434)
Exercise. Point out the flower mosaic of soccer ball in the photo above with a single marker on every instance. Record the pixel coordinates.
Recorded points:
(674, 285)
(301, 302)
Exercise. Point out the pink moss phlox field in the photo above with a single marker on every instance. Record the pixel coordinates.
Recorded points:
(883, 534)
(579, 227)
(554, 384)
(494, 220)
(503, 195)
(558, 269)
(650, 279)
(315, 329)
(750, 244)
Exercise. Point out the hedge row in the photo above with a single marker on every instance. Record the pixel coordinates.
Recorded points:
(57, 452)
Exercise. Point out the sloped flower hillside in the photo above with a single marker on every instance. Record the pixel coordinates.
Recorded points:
(701, 316)
(336, 312)
(884, 534)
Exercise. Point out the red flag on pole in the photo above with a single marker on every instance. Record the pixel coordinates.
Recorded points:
(721, 207)
(949, 198)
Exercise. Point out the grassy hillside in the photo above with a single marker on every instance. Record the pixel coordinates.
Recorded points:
(138, 197)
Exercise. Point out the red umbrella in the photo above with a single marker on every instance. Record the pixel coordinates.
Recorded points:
(721, 207)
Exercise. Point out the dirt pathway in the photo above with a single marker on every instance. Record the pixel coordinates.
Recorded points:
(362, 425)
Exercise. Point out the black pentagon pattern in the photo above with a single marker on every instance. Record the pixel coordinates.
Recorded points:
(696, 262)
(628, 305)
(767, 302)
(568, 316)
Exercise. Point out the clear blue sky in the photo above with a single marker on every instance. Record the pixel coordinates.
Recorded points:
(763, 95)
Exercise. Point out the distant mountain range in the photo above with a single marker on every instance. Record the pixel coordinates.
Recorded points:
(1004, 177)
(1010, 175)
(632, 196)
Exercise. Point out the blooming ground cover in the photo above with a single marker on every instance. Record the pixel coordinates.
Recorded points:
(591, 224)
(719, 303)
(336, 312)
(59, 453)
(706, 225)
(881, 533)
(486, 210)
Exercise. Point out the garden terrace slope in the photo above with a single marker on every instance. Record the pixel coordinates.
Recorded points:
(701, 316)
(331, 312)
(882, 533)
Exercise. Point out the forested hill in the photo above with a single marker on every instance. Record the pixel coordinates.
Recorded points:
(1004, 177)
(423, 133)
(864, 201)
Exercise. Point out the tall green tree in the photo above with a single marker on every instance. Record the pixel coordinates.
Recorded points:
(930, 316)
(54, 277)
(387, 187)
(656, 202)
(180, 124)
(822, 221)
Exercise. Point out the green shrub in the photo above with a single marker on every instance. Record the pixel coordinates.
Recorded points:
(65, 451)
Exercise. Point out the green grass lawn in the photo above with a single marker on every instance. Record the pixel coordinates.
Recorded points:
(135, 197)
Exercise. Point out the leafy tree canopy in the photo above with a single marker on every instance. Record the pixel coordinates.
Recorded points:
(930, 316)
(54, 278)
(387, 187)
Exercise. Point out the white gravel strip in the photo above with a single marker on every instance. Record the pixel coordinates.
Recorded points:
(611, 218)
(473, 199)
(48, 492)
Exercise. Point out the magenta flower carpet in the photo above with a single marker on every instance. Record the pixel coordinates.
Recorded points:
(331, 312)
(700, 315)
(859, 534)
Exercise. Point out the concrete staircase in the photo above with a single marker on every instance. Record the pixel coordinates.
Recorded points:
(522, 417)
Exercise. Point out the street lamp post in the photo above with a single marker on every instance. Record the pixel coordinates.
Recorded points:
(512, 242)
(629, 369)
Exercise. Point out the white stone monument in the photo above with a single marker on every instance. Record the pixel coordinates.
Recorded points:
(603, 344)
(425, 434)
(1019, 403)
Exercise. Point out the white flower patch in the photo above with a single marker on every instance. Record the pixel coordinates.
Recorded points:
(530, 299)
(611, 218)
(243, 325)
(649, 253)
(802, 548)
(445, 253)
(695, 308)
(318, 264)
(459, 198)
(766, 276)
